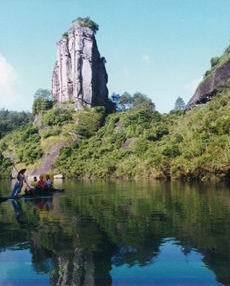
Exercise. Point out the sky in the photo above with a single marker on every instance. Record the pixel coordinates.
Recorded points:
(161, 48)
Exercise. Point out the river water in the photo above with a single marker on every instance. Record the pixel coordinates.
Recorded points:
(117, 234)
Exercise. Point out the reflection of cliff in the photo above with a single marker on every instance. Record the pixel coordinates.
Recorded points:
(76, 270)
(80, 253)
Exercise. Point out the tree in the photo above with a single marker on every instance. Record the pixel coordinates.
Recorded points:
(11, 120)
(115, 98)
(126, 101)
(142, 101)
(42, 101)
(179, 104)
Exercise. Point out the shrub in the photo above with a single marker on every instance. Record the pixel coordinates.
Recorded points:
(87, 22)
(57, 116)
(214, 61)
(5, 167)
(28, 145)
(51, 132)
(42, 101)
(89, 121)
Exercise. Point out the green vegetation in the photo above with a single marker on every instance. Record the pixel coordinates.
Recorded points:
(5, 166)
(138, 143)
(11, 120)
(59, 125)
(137, 100)
(179, 104)
(142, 144)
(135, 143)
(57, 116)
(218, 61)
(24, 144)
(89, 121)
(42, 101)
(87, 22)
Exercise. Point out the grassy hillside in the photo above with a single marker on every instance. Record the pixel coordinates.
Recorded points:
(135, 144)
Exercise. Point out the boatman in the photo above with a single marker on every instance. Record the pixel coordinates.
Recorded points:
(19, 183)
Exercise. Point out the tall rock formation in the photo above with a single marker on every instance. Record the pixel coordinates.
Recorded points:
(79, 74)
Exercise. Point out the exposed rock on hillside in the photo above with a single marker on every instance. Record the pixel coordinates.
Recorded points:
(217, 79)
(79, 74)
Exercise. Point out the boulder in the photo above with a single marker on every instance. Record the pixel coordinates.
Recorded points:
(208, 88)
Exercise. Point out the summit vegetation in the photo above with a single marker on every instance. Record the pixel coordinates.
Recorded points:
(87, 22)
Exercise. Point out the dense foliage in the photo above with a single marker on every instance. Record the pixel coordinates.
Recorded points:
(57, 116)
(89, 121)
(24, 144)
(57, 126)
(42, 101)
(87, 22)
(179, 104)
(143, 144)
(138, 143)
(5, 166)
(127, 101)
(11, 120)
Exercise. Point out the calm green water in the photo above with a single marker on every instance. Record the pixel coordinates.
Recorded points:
(117, 234)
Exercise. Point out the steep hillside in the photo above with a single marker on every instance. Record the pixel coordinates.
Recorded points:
(37, 145)
(135, 144)
(139, 144)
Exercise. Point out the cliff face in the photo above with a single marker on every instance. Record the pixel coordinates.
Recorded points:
(79, 74)
(209, 86)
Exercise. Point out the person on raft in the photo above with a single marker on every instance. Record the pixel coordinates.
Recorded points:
(34, 183)
(19, 183)
(41, 183)
(44, 185)
(39, 186)
(48, 183)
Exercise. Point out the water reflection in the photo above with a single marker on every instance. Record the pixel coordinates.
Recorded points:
(119, 235)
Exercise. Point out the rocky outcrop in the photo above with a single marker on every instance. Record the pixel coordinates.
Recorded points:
(79, 74)
(218, 79)
(48, 160)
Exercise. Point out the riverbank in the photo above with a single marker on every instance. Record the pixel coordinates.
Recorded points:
(137, 144)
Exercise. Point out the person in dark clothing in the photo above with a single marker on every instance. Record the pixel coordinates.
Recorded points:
(19, 183)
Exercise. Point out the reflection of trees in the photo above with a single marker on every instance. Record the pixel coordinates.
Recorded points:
(136, 222)
(78, 241)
